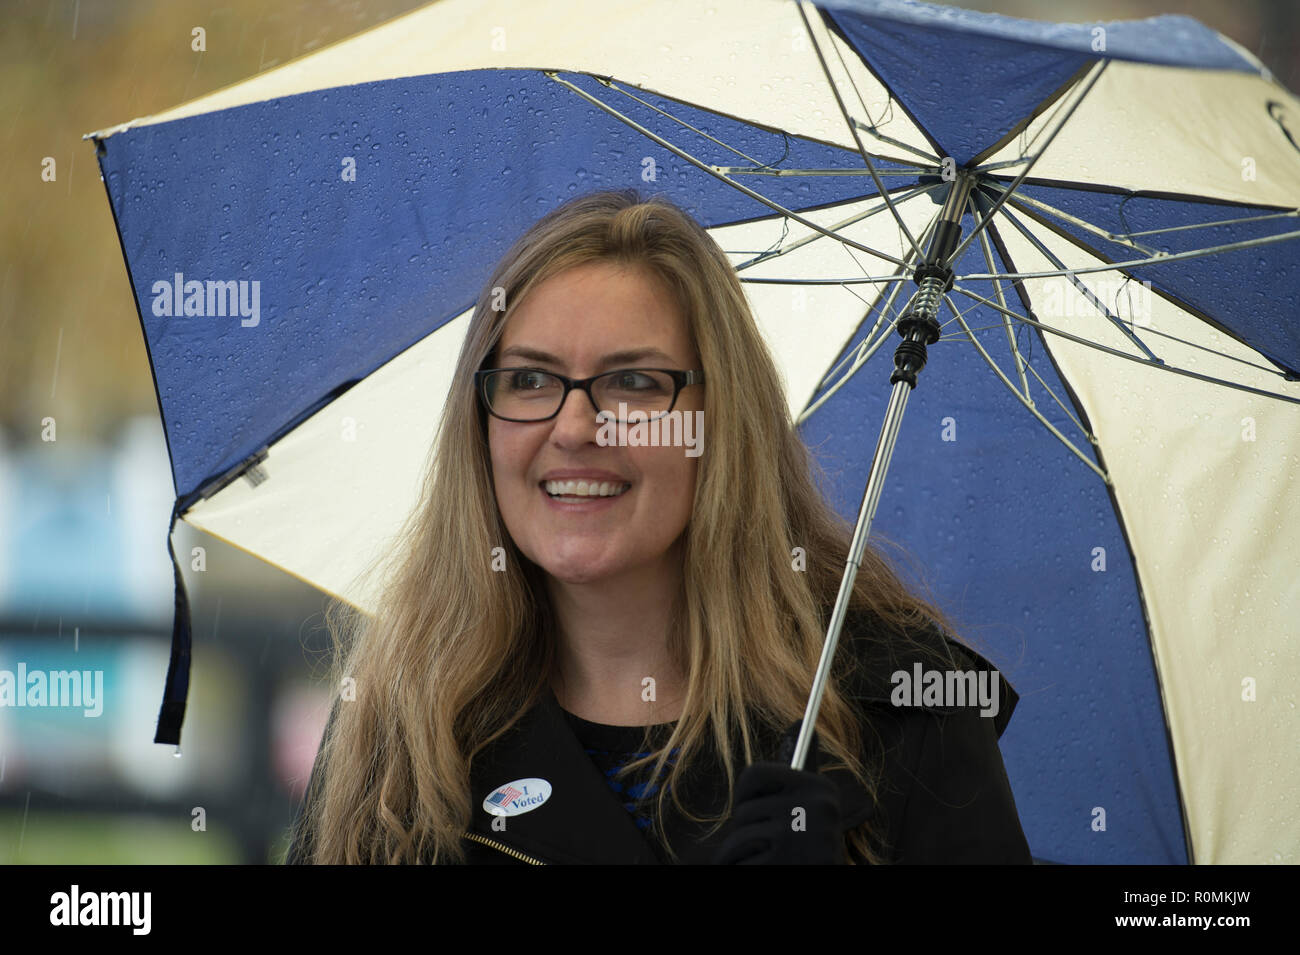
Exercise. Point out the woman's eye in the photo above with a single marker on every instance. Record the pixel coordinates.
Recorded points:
(635, 382)
(525, 381)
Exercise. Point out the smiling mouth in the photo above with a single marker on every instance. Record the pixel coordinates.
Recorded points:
(584, 490)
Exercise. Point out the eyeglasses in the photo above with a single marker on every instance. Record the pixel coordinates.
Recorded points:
(531, 394)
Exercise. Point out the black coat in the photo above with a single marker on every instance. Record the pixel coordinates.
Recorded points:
(944, 793)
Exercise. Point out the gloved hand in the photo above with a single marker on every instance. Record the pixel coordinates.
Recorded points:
(764, 828)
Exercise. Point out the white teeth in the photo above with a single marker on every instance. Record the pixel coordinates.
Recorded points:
(585, 488)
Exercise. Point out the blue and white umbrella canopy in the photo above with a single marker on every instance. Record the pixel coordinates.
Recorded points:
(1096, 469)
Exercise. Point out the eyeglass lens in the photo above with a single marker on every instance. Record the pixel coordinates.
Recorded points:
(529, 395)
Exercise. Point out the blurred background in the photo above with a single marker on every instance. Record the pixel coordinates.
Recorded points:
(85, 578)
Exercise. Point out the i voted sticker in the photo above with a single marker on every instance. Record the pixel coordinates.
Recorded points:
(520, 796)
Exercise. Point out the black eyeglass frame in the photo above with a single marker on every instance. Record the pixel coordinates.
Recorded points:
(681, 379)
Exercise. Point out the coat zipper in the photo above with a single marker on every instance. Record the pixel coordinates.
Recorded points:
(506, 849)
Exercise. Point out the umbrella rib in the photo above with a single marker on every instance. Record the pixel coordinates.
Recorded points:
(1046, 387)
(1021, 398)
(861, 353)
(1135, 263)
(1203, 225)
(1126, 238)
(889, 108)
(1217, 354)
(769, 254)
(888, 139)
(1085, 225)
(761, 167)
(1075, 185)
(682, 154)
(956, 316)
(1095, 252)
(1079, 286)
(978, 328)
(886, 308)
(1119, 354)
(848, 121)
(833, 28)
(1118, 321)
(1022, 363)
(997, 287)
(783, 172)
(1057, 399)
(1015, 183)
(845, 280)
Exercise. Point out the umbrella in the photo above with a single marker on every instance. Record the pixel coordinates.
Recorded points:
(1097, 221)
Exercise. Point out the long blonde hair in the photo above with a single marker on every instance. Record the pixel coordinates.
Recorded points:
(456, 654)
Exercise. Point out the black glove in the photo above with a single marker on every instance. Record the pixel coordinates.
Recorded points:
(763, 824)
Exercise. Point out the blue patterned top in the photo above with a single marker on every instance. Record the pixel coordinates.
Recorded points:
(613, 747)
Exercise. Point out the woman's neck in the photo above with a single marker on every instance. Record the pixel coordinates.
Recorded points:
(613, 664)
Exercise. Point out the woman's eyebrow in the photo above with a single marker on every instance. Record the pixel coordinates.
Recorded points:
(627, 357)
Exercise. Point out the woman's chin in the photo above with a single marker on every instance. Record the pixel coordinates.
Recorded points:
(581, 570)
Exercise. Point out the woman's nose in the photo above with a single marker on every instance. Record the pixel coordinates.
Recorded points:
(576, 418)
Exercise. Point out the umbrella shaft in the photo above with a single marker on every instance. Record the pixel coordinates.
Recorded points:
(919, 327)
(866, 514)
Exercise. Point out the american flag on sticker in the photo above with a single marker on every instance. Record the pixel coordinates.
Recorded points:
(504, 795)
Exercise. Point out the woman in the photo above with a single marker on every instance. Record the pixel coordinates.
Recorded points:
(587, 639)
